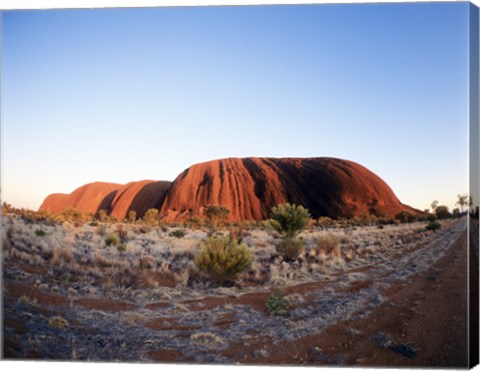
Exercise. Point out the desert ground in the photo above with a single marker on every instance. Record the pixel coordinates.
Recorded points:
(374, 295)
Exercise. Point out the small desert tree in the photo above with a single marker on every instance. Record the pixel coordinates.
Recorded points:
(463, 201)
(215, 214)
(151, 216)
(289, 220)
(434, 205)
(442, 212)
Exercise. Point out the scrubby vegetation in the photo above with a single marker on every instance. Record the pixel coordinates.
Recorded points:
(111, 240)
(151, 217)
(277, 304)
(178, 233)
(223, 258)
(215, 215)
(433, 226)
(289, 219)
(39, 232)
(150, 283)
(290, 248)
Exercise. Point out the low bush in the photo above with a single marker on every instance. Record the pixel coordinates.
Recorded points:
(433, 226)
(290, 248)
(39, 232)
(178, 233)
(405, 217)
(111, 240)
(223, 259)
(277, 304)
(122, 248)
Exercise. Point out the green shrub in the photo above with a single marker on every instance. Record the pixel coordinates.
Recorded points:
(111, 240)
(289, 219)
(277, 304)
(93, 223)
(122, 248)
(433, 226)
(290, 248)
(178, 233)
(385, 221)
(39, 232)
(223, 259)
(405, 217)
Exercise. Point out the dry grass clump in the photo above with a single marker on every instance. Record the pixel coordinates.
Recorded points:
(182, 278)
(326, 244)
(58, 322)
(290, 248)
(281, 273)
(206, 339)
(124, 277)
(61, 255)
(146, 262)
(122, 233)
(101, 229)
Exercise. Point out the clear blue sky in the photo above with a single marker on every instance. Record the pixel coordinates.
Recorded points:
(128, 94)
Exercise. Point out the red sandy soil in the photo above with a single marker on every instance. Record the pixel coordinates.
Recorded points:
(105, 304)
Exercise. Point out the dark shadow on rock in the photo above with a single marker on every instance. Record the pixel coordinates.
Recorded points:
(106, 203)
(150, 196)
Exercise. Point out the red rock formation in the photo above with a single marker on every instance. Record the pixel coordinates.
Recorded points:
(139, 197)
(89, 197)
(55, 203)
(250, 187)
(116, 199)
